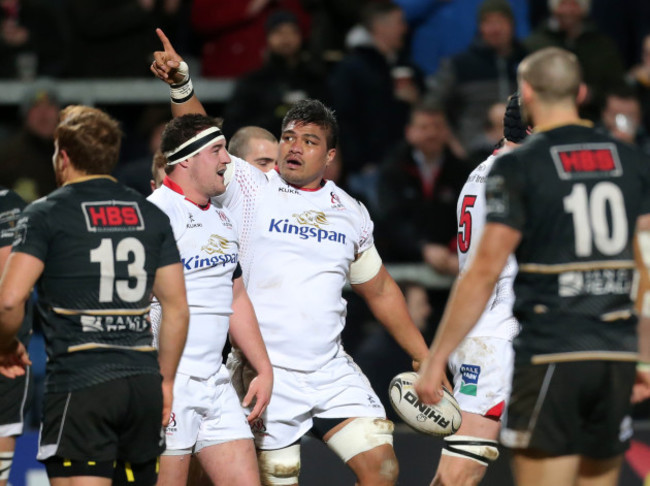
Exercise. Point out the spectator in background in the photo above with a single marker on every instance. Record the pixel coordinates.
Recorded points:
(470, 82)
(639, 79)
(234, 33)
(264, 96)
(120, 30)
(371, 104)
(621, 118)
(419, 183)
(331, 21)
(26, 157)
(135, 172)
(33, 39)
(256, 146)
(569, 28)
(442, 29)
(484, 144)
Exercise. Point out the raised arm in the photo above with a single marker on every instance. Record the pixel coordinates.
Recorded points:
(169, 289)
(245, 335)
(169, 67)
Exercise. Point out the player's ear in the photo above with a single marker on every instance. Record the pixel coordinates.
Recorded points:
(526, 91)
(331, 153)
(583, 92)
(65, 158)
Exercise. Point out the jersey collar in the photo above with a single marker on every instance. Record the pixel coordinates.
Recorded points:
(167, 182)
(552, 126)
(90, 177)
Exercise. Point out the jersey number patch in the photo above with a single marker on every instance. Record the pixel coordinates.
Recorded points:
(465, 224)
(589, 213)
(126, 249)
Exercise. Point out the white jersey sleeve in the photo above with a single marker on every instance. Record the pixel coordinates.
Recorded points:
(497, 319)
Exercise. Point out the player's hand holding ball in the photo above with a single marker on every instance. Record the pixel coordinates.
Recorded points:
(440, 419)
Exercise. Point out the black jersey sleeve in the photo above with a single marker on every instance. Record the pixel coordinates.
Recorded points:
(33, 231)
(505, 192)
(11, 204)
(237, 273)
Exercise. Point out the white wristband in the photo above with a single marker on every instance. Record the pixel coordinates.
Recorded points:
(180, 93)
(643, 366)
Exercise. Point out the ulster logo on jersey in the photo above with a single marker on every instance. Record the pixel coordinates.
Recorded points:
(584, 161)
(112, 216)
(224, 219)
(336, 201)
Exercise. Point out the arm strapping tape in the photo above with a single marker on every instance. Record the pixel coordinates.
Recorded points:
(366, 266)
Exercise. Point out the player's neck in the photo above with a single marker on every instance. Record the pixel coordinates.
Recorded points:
(187, 190)
(555, 115)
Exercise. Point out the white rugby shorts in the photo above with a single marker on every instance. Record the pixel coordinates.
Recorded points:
(337, 390)
(482, 371)
(204, 412)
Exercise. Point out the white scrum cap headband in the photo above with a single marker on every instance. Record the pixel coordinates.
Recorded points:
(194, 145)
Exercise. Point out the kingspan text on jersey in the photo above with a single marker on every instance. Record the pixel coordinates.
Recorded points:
(198, 262)
(304, 232)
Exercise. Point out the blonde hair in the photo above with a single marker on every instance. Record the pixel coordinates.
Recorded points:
(553, 73)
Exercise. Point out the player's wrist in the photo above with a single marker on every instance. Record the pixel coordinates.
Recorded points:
(643, 366)
(182, 89)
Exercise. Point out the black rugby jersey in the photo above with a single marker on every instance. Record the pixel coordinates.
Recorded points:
(575, 195)
(11, 204)
(101, 244)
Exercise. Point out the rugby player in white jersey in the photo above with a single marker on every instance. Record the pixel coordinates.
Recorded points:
(482, 364)
(301, 237)
(207, 418)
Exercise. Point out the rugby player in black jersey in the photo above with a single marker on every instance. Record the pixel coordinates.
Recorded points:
(14, 392)
(96, 250)
(574, 206)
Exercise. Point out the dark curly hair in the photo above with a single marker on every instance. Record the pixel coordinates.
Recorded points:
(514, 128)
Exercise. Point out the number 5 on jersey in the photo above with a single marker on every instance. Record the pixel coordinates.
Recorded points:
(465, 224)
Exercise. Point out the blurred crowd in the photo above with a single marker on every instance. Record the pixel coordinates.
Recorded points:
(418, 86)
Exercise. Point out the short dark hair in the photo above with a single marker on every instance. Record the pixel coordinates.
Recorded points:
(314, 112)
(90, 137)
(179, 130)
(429, 106)
(375, 10)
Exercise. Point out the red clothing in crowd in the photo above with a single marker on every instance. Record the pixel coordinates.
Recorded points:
(234, 41)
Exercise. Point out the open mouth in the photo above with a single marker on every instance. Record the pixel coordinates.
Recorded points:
(221, 172)
(293, 162)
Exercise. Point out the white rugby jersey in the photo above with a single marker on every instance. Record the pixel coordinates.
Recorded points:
(296, 250)
(209, 249)
(497, 319)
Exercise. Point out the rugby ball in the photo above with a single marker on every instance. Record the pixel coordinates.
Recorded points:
(440, 419)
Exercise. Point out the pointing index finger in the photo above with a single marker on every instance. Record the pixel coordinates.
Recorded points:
(165, 41)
